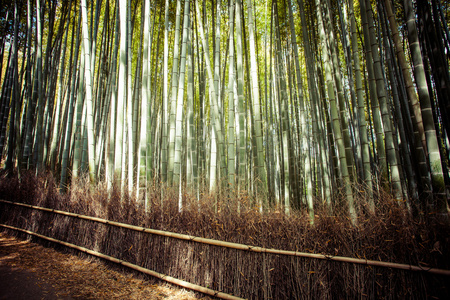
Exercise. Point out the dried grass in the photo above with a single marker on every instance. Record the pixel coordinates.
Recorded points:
(390, 235)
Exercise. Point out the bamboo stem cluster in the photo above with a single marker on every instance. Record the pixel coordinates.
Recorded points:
(293, 102)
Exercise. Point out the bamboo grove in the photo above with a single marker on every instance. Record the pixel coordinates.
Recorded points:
(301, 103)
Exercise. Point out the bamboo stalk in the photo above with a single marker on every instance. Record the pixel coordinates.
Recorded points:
(241, 246)
(164, 277)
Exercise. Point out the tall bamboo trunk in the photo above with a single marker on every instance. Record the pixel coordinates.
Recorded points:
(334, 116)
(434, 157)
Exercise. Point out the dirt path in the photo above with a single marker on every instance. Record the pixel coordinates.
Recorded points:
(30, 271)
(16, 283)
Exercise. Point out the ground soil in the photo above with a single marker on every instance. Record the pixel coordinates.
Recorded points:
(30, 271)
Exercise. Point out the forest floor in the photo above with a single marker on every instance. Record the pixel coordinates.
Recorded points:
(30, 271)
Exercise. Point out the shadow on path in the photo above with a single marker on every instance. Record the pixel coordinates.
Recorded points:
(17, 283)
(29, 271)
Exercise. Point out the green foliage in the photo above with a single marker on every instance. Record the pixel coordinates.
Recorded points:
(298, 119)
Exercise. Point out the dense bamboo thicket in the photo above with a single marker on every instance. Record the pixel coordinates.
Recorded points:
(294, 101)
(391, 236)
(317, 125)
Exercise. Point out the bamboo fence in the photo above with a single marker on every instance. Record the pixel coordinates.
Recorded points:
(166, 278)
(243, 247)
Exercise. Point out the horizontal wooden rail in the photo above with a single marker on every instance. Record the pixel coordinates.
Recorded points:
(242, 246)
(166, 278)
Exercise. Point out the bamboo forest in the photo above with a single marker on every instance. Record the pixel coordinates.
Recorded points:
(315, 131)
(301, 103)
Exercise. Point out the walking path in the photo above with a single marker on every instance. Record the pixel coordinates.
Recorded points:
(30, 271)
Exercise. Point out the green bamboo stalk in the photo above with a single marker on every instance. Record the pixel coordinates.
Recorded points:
(57, 120)
(192, 161)
(142, 157)
(334, 116)
(215, 113)
(121, 95)
(240, 92)
(283, 111)
(89, 104)
(38, 87)
(434, 157)
(173, 98)
(129, 133)
(361, 114)
(380, 153)
(391, 151)
(180, 102)
(164, 142)
(110, 153)
(305, 145)
(71, 109)
(231, 108)
(256, 102)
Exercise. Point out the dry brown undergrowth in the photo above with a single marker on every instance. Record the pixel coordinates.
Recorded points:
(391, 235)
(78, 278)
